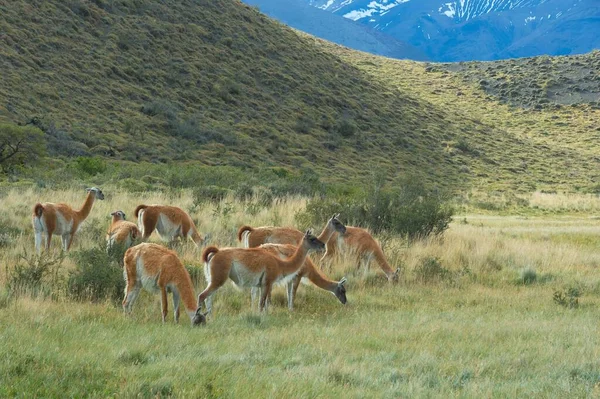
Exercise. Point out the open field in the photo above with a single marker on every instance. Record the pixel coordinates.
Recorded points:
(473, 315)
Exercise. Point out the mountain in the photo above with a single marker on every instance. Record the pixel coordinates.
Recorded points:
(217, 83)
(336, 28)
(480, 29)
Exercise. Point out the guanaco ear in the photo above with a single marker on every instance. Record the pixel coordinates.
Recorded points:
(337, 216)
(113, 213)
(342, 281)
(308, 232)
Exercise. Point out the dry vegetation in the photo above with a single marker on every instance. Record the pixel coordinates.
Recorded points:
(476, 313)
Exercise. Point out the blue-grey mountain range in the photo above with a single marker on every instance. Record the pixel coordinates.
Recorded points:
(457, 30)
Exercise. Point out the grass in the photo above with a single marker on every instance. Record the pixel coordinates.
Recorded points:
(479, 330)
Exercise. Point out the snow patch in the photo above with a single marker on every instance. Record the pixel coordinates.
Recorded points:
(373, 7)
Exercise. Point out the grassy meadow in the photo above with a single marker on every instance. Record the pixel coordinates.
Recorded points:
(501, 305)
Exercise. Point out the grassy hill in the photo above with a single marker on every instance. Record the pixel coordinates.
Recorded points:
(218, 83)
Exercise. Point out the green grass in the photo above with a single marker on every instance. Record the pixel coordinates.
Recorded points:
(473, 315)
(387, 342)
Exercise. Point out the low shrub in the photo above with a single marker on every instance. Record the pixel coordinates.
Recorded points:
(568, 297)
(97, 275)
(35, 274)
(430, 270)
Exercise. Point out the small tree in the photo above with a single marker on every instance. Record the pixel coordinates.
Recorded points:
(20, 145)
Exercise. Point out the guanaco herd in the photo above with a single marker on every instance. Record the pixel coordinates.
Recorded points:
(270, 255)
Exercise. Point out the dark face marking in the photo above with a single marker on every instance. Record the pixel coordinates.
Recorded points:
(199, 319)
(338, 226)
(340, 293)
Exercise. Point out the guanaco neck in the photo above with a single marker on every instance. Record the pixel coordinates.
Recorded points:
(320, 280)
(186, 292)
(326, 233)
(87, 206)
(294, 262)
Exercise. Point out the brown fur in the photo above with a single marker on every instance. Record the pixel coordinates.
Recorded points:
(162, 271)
(257, 267)
(148, 220)
(242, 230)
(47, 214)
(121, 231)
(281, 235)
(361, 241)
(308, 270)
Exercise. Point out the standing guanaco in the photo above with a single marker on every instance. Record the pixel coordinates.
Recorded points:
(158, 269)
(252, 267)
(170, 222)
(51, 218)
(365, 246)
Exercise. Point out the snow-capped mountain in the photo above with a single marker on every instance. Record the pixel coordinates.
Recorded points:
(335, 28)
(453, 30)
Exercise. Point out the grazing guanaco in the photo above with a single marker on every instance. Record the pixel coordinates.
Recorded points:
(170, 222)
(158, 269)
(121, 231)
(307, 271)
(252, 237)
(252, 267)
(281, 237)
(50, 218)
(365, 246)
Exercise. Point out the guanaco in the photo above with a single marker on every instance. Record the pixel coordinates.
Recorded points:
(170, 222)
(121, 231)
(51, 218)
(307, 271)
(252, 267)
(158, 269)
(283, 236)
(361, 241)
(252, 237)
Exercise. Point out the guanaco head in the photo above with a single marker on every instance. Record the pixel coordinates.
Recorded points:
(97, 192)
(340, 291)
(199, 318)
(394, 276)
(118, 215)
(312, 243)
(338, 226)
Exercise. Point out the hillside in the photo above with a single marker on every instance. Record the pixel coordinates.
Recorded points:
(336, 28)
(218, 83)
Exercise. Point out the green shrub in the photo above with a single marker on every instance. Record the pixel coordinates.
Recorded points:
(90, 166)
(36, 274)
(527, 276)
(430, 270)
(346, 127)
(212, 194)
(568, 297)
(409, 210)
(97, 275)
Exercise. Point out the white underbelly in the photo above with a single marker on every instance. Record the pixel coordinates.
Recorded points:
(242, 277)
(166, 229)
(149, 282)
(63, 225)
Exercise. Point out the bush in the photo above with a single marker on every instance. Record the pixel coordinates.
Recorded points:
(568, 297)
(97, 275)
(430, 270)
(36, 274)
(20, 145)
(90, 166)
(409, 210)
(212, 194)
(346, 127)
(527, 276)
